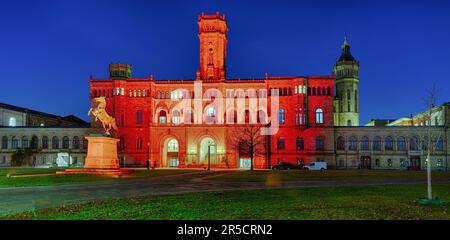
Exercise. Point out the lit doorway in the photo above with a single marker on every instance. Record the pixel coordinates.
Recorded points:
(170, 153)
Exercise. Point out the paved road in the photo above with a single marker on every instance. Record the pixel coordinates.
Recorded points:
(29, 198)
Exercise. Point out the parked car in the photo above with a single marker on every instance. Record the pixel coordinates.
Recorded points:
(316, 166)
(285, 166)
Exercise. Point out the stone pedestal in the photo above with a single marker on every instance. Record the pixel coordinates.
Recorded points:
(101, 158)
(102, 153)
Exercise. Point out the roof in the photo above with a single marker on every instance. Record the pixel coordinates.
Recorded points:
(69, 118)
(346, 56)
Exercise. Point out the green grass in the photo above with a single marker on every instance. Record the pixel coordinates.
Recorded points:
(375, 202)
(50, 180)
(298, 175)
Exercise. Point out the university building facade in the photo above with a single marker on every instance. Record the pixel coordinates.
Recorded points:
(200, 122)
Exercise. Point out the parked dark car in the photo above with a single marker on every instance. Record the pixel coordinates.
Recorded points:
(286, 166)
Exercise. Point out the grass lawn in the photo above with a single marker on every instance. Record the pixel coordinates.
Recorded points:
(70, 179)
(375, 202)
(298, 175)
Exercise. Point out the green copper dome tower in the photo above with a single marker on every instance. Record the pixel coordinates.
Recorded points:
(346, 79)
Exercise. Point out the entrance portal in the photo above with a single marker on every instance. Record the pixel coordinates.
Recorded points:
(208, 151)
(414, 163)
(366, 163)
(170, 153)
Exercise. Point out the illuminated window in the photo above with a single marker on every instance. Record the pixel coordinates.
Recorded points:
(176, 117)
(172, 146)
(12, 122)
(123, 92)
(281, 116)
(319, 116)
(162, 117)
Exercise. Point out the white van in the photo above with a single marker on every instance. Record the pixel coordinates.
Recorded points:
(316, 166)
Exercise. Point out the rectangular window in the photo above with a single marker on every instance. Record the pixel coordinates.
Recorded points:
(139, 117)
(281, 144)
(123, 92)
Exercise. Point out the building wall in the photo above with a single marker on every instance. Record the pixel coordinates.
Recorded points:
(46, 156)
(396, 158)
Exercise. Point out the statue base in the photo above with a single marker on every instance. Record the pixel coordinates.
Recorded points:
(101, 158)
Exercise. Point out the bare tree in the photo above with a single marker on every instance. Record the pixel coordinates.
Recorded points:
(247, 139)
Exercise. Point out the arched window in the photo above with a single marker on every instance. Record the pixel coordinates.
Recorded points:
(172, 146)
(34, 142)
(318, 91)
(340, 145)
(349, 123)
(162, 117)
(314, 91)
(139, 117)
(319, 116)
(25, 142)
(320, 144)
(328, 91)
(285, 93)
(76, 142)
(365, 143)
(376, 145)
(425, 143)
(176, 117)
(388, 143)
(139, 143)
(55, 142)
(14, 143)
(309, 91)
(281, 116)
(65, 144)
(290, 91)
(45, 142)
(281, 144)
(323, 91)
(414, 144)
(4, 142)
(299, 143)
(401, 144)
(210, 115)
(352, 144)
(439, 146)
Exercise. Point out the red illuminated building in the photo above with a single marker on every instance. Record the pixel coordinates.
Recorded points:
(152, 127)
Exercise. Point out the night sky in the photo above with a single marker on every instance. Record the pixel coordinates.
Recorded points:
(48, 49)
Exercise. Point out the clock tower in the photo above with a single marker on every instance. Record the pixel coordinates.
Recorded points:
(213, 47)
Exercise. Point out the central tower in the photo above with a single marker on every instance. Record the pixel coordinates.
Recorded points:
(213, 47)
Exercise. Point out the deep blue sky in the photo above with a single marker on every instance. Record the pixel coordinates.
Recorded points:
(48, 49)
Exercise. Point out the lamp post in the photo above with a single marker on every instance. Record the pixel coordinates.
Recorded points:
(209, 155)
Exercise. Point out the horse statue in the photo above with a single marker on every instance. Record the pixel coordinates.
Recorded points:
(100, 114)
